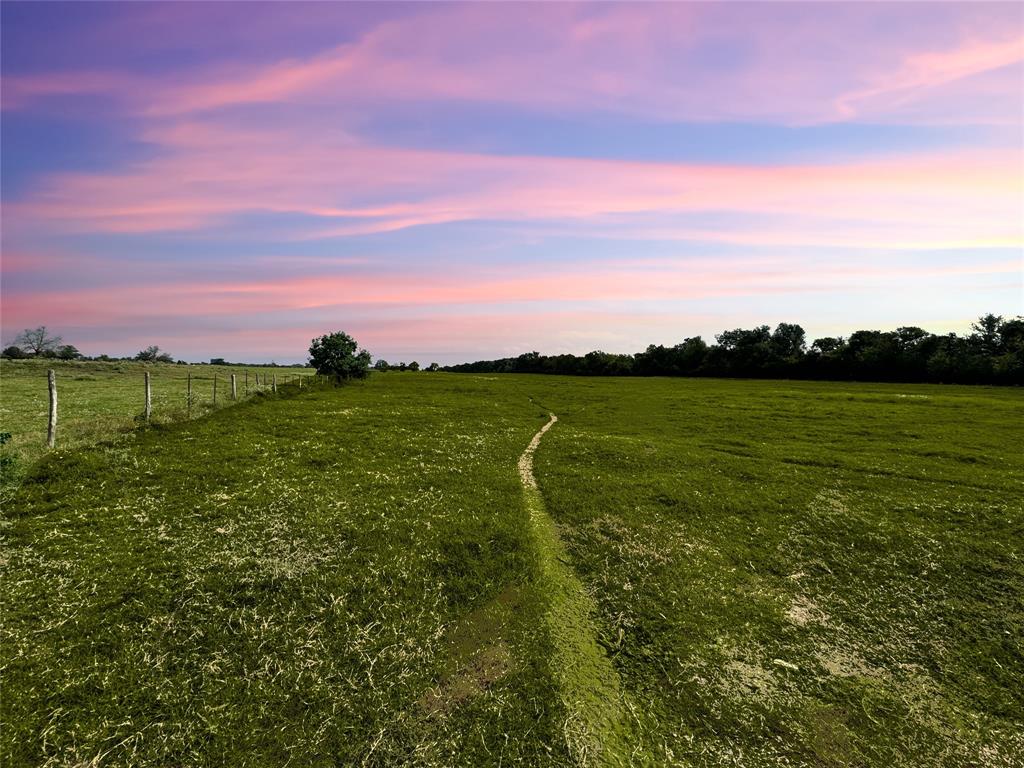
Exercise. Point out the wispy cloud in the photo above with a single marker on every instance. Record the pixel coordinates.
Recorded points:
(262, 163)
(663, 61)
(968, 197)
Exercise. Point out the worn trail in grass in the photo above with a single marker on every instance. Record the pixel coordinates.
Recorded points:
(801, 574)
(339, 577)
(710, 573)
(596, 725)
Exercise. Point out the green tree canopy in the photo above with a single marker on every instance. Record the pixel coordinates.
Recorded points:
(338, 355)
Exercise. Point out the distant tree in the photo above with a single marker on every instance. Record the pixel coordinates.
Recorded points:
(788, 340)
(381, 365)
(414, 366)
(1008, 367)
(37, 341)
(337, 355)
(987, 333)
(68, 352)
(690, 354)
(433, 367)
(153, 355)
(828, 345)
(994, 353)
(874, 355)
(599, 363)
(741, 337)
(218, 361)
(1012, 333)
(403, 367)
(948, 360)
(528, 362)
(910, 336)
(742, 351)
(14, 353)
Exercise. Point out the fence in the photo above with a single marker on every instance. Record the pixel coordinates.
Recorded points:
(175, 396)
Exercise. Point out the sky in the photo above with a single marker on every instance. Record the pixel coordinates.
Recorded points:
(452, 182)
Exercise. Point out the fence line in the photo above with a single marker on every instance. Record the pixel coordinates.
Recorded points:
(190, 399)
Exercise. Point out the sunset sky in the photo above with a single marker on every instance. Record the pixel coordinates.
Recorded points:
(455, 182)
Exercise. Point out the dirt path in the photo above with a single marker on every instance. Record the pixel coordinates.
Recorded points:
(596, 727)
(526, 460)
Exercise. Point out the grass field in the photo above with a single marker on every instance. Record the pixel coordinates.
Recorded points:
(97, 400)
(745, 573)
(801, 574)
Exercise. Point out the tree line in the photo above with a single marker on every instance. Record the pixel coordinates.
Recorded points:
(993, 353)
(40, 343)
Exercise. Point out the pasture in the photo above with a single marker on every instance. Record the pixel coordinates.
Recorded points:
(707, 573)
(97, 400)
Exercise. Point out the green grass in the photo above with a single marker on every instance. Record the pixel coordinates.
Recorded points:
(330, 578)
(801, 574)
(97, 400)
(746, 573)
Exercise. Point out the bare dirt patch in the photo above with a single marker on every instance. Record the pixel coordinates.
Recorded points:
(479, 653)
(804, 612)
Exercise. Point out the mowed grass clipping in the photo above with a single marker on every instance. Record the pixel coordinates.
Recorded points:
(336, 577)
(780, 574)
(799, 573)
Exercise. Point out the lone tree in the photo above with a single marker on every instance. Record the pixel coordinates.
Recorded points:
(336, 355)
(37, 341)
(154, 355)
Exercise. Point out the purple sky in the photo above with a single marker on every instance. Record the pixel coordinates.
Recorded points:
(448, 182)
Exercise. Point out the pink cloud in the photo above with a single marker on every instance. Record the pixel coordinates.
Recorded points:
(658, 280)
(210, 173)
(921, 72)
(645, 60)
(22, 91)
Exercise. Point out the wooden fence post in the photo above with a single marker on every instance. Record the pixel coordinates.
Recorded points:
(215, 388)
(188, 397)
(234, 391)
(247, 383)
(149, 399)
(275, 382)
(51, 429)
